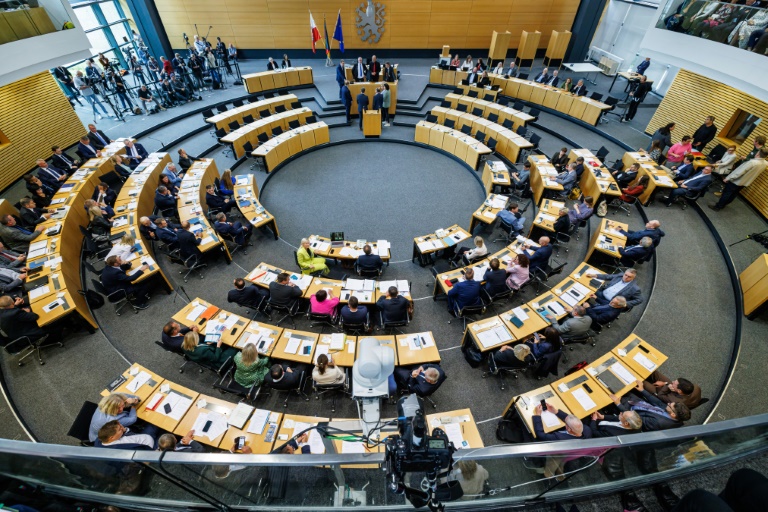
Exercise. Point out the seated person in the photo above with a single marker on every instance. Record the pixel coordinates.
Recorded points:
(582, 211)
(521, 178)
(323, 303)
(579, 89)
(693, 185)
(574, 428)
(308, 263)
(145, 98)
(166, 181)
(579, 166)
(652, 230)
(147, 227)
(14, 236)
(173, 334)
(11, 259)
(606, 313)
(134, 153)
(495, 278)
(123, 248)
(241, 234)
(563, 222)
(326, 373)
(518, 272)
(353, 313)
(560, 160)
(106, 211)
(617, 284)
(546, 344)
(104, 196)
(284, 378)
(186, 161)
(248, 296)
(393, 307)
(189, 242)
(634, 253)
(168, 443)
(114, 435)
(465, 255)
(250, 369)
(282, 291)
(215, 201)
(519, 356)
(513, 218)
(301, 443)
(686, 169)
(369, 261)
(173, 174)
(164, 200)
(422, 380)
(668, 390)
(207, 354)
(539, 257)
(114, 278)
(470, 475)
(121, 166)
(99, 226)
(636, 190)
(610, 425)
(31, 215)
(656, 414)
(17, 320)
(119, 407)
(464, 293)
(676, 153)
(568, 179)
(624, 178)
(167, 233)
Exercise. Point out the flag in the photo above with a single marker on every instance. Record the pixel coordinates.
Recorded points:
(337, 34)
(313, 31)
(326, 41)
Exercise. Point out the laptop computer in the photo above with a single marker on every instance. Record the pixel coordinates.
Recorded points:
(337, 239)
(35, 283)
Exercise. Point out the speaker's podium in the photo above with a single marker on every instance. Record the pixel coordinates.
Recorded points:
(371, 123)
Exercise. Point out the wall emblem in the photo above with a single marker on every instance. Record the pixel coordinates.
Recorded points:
(370, 21)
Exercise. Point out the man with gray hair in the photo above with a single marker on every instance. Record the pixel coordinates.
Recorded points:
(609, 425)
(577, 325)
(574, 428)
(634, 253)
(173, 174)
(606, 313)
(422, 380)
(617, 284)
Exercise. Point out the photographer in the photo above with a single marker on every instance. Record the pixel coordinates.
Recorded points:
(146, 97)
(92, 73)
(154, 69)
(213, 69)
(85, 89)
(221, 54)
(170, 92)
(196, 66)
(138, 70)
(120, 90)
(180, 88)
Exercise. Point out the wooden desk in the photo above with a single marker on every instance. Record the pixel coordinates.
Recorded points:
(145, 391)
(251, 132)
(590, 183)
(489, 334)
(533, 323)
(342, 357)
(542, 177)
(754, 286)
(222, 119)
(182, 316)
(659, 177)
(408, 356)
(437, 241)
(264, 274)
(469, 435)
(486, 213)
(161, 420)
(230, 336)
(372, 123)
(370, 90)
(288, 431)
(246, 193)
(575, 383)
(257, 442)
(349, 251)
(280, 148)
(256, 332)
(640, 356)
(267, 80)
(606, 238)
(547, 215)
(549, 302)
(213, 404)
(612, 374)
(387, 340)
(527, 403)
(495, 174)
(299, 357)
(192, 205)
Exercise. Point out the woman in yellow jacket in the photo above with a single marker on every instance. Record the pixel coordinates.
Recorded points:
(308, 262)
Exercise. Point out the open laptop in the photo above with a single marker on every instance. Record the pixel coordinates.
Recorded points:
(35, 283)
(337, 239)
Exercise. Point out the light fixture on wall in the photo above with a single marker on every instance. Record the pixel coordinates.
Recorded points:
(661, 80)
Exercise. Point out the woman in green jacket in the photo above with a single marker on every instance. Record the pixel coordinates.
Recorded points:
(249, 367)
(567, 85)
(205, 354)
(386, 103)
(307, 261)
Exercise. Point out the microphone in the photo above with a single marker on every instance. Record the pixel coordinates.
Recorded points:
(162, 144)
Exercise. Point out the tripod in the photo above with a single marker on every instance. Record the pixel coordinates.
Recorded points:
(757, 237)
(239, 80)
(118, 115)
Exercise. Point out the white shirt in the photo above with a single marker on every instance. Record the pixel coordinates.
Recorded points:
(134, 439)
(610, 292)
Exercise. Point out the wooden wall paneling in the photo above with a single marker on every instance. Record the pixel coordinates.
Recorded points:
(170, 5)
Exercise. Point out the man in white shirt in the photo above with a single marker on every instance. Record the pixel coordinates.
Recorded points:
(113, 435)
(359, 71)
(742, 177)
(618, 285)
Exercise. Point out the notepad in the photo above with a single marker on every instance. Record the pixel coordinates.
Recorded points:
(292, 346)
(550, 420)
(640, 358)
(258, 421)
(584, 400)
(196, 312)
(519, 313)
(337, 341)
(622, 373)
(138, 381)
(239, 415)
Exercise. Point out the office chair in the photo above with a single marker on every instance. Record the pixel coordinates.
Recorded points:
(523, 76)
(518, 105)
(461, 107)
(321, 389)
(262, 138)
(431, 118)
(468, 312)
(277, 130)
(311, 119)
(118, 298)
(356, 329)
(535, 113)
(293, 124)
(391, 326)
(368, 272)
(263, 114)
(466, 129)
(270, 94)
(626, 205)
(316, 273)
(238, 103)
(491, 144)
(94, 252)
(227, 384)
(232, 245)
(192, 264)
(323, 319)
(561, 240)
(247, 150)
(522, 131)
(295, 105)
(494, 118)
(508, 124)
(596, 96)
(445, 104)
(220, 133)
(472, 94)
(488, 97)
(491, 300)
(208, 113)
(495, 369)
(178, 352)
(279, 109)
(24, 347)
(601, 153)
(477, 112)
(253, 98)
(480, 136)
(82, 425)
(92, 269)
(114, 180)
(221, 108)
(288, 310)
(234, 125)
(502, 101)
(248, 119)
(589, 337)
(450, 123)
(612, 102)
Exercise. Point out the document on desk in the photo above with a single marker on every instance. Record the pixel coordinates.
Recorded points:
(218, 425)
(640, 358)
(239, 415)
(138, 381)
(519, 313)
(258, 421)
(292, 346)
(384, 285)
(355, 284)
(488, 338)
(547, 218)
(302, 282)
(499, 201)
(403, 287)
(426, 245)
(583, 398)
(383, 246)
(306, 347)
(569, 299)
(453, 431)
(36, 253)
(322, 348)
(53, 305)
(321, 246)
(550, 420)
(268, 278)
(315, 442)
(207, 240)
(337, 341)
(622, 373)
(556, 308)
(230, 322)
(39, 292)
(353, 447)
(196, 312)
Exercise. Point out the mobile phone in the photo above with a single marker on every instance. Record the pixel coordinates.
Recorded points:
(207, 425)
(167, 409)
(543, 405)
(233, 331)
(239, 442)
(589, 389)
(643, 348)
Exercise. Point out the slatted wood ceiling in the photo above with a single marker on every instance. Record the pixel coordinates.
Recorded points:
(284, 24)
(691, 97)
(34, 115)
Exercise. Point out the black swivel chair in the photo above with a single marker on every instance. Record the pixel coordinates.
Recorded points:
(494, 118)
(264, 113)
(293, 124)
(279, 109)
(234, 125)
(298, 389)
(601, 153)
(333, 389)
(477, 112)
(221, 108)
(277, 130)
(466, 129)
(118, 298)
(431, 118)
(295, 105)
(450, 123)
(82, 425)
(445, 104)
(238, 103)
(461, 107)
(311, 120)
(248, 119)
(596, 96)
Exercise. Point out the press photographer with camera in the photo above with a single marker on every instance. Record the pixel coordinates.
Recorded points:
(82, 84)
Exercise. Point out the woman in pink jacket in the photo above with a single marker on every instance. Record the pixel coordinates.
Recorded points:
(517, 272)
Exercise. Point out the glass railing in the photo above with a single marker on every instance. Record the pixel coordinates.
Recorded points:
(22, 19)
(741, 26)
(516, 473)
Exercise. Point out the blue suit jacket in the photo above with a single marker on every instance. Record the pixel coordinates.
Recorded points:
(540, 257)
(115, 278)
(167, 235)
(568, 181)
(346, 97)
(684, 172)
(362, 102)
(226, 228)
(603, 314)
(420, 386)
(465, 293)
(634, 237)
(164, 202)
(86, 151)
(341, 75)
(378, 101)
(559, 435)
(370, 261)
(699, 182)
(634, 253)
(631, 291)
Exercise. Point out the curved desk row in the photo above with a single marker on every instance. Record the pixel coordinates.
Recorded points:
(223, 119)
(518, 117)
(277, 79)
(440, 240)
(453, 141)
(660, 177)
(250, 132)
(596, 180)
(282, 147)
(349, 250)
(246, 193)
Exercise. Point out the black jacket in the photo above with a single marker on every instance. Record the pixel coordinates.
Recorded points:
(62, 161)
(31, 217)
(394, 310)
(600, 429)
(115, 278)
(95, 142)
(651, 421)
(16, 322)
(289, 380)
(109, 196)
(282, 293)
(495, 281)
(188, 243)
(249, 295)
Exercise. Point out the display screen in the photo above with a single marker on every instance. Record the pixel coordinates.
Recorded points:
(436, 443)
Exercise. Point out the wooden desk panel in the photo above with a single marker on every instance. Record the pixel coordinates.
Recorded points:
(408, 357)
(282, 343)
(160, 420)
(214, 404)
(566, 386)
(464, 418)
(257, 442)
(640, 356)
(527, 404)
(604, 364)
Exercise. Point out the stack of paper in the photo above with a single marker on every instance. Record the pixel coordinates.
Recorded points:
(647, 363)
(198, 310)
(217, 427)
(495, 336)
(337, 341)
(550, 420)
(519, 313)
(39, 292)
(239, 415)
(322, 348)
(138, 381)
(583, 398)
(258, 421)
(622, 373)
(292, 346)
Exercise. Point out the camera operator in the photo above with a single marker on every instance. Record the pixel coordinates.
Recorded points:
(120, 89)
(87, 91)
(92, 73)
(64, 77)
(145, 97)
(221, 54)
(232, 52)
(138, 71)
(143, 55)
(169, 92)
(105, 63)
(213, 70)
(199, 45)
(154, 69)
(196, 66)
(181, 89)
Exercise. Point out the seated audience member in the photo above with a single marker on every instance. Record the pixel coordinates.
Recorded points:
(14, 236)
(61, 160)
(283, 377)
(568, 179)
(547, 343)
(634, 253)
(147, 227)
(168, 443)
(215, 201)
(115, 277)
(186, 161)
(686, 170)
(624, 178)
(188, 242)
(606, 313)
(579, 166)
(518, 272)
(518, 356)
(563, 222)
(167, 182)
(693, 185)
(579, 89)
(656, 414)
(86, 149)
(308, 262)
(11, 281)
(173, 174)
(118, 407)
(34, 183)
(353, 313)
(98, 138)
(574, 428)
(323, 303)
(249, 296)
(393, 307)
(542, 77)
(121, 166)
(51, 176)
(725, 165)
(106, 211)
(282, 291)
(11, 259)
(560, 160)
(523, 177)
(610, 425)
(104, 195)
(240, 233)
(114, 435)
(618, 284)
(369, 261)
(123, 248)
(470, 475)
(581, 211)
(41, 199)
(636, 190)
(31, 215)
(99, 226)
(250, 368)
(146, 98)
(513, 218)
(173, 334)
(206, 353)
(17, 320)
(167, 233)
(539, 257)
(668, 390)
(652, 230)
(326, 373)
(484, 80)
(134, 153)
(164, 200)
(422, 380)
(466, 255)
(464, 293)
(495, 278)
(226, 183)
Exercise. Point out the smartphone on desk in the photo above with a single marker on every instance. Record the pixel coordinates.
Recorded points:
(239, 442)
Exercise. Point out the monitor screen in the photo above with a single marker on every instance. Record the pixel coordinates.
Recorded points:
(445, 60)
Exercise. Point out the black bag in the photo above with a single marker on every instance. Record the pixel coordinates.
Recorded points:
(576, 367)
(509, 431)
(94, 299)
(473, 356)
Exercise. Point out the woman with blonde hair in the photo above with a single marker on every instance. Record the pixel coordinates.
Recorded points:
(99, 226)
(123, 248)
(308, 262)
(471, 476)
(465, 254)
(206, 353)
(249, 367)
(325, 372)
(117, 406)
(120, 168)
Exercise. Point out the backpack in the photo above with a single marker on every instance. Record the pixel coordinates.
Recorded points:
(473, 356)
(576, 367)
(575, 193)
(94, 299)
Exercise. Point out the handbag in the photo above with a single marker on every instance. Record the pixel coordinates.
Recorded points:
(473, 356)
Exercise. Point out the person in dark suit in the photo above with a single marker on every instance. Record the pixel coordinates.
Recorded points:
(374, 68)
(579, 166)
(686, 170)
(606, 313)
(560, 160)
(284, 378)
(627, 176)
(215, 201)
(464, 293)
(389, 73)
(31, 215)
(17, 321)
(610, 425)
(692, 185)
(147, 227)
(362, 104)
(539, 257)
(33, 183)
(272, 65)
(53, 177)
(186, 161)
(98, 138)
(652, 230)
(574, 428)
(353, 313)
(634, 253)
(164, 200)
(563, 222)
(656, 415)
(484, 80)
(113, 435)
(241, 234)
(378, 99)
(580, 89)
(173, 334)
(422, 380)
(495, 278)
(63, 75)
(167, 233)
(618, 284)
(114, 278)
(341, 77)
(367, 260)
(542, 77)
(359, 71)
(568, 179)
(249, 296)
(86, 150)
(134, 153)
(188, 241)
(104, 195)
(667, 390)
(393, 307)
(553, 80)
(282, 291)
(62, 160)
(473, 77)
(346, 100)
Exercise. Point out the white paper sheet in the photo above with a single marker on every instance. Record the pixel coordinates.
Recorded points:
(138, 381)
(569, 299)
(622, 373)
(322, 348)
(644, 361)
(39, 292)
(352, 447)
(292, 346)
(351, 347)
(519, 313)
(217, 428)
(583, 398)
(355, 284)
(258, 421)
(453, 430)
(196, 312)
(549, 419)
(304, 345)
(239, 415)
(207, 240)
(337, 341)
(488, 338)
